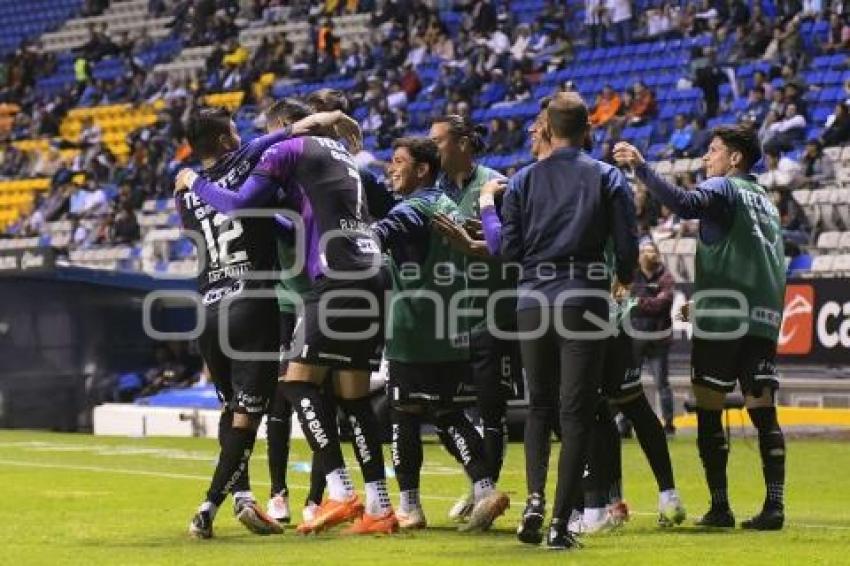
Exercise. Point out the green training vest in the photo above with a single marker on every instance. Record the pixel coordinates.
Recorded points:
(749, 260)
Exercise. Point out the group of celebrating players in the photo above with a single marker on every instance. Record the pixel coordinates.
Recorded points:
(313, 270)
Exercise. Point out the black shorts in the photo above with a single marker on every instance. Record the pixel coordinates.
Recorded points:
(245, 386)
(496, 366)
(620, 369)
(327, 332)
(430, 385)
(751, 360)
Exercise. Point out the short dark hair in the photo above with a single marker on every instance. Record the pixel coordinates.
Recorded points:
(288, 111)
(461, 127)
(568, 117)
(327, 100)
(740, 137)
(422, 150)
(205, 128)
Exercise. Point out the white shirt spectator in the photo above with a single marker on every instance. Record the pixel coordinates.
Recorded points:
(499, 42)
(592, 14)
(812, 7)
(620, 10)
(798, 121)
(520, 46)
(397, 100)
(657, 22)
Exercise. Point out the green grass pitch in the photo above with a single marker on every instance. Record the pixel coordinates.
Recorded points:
(78, 499)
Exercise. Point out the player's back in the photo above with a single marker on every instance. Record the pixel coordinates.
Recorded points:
(229, 248)
(332, 197)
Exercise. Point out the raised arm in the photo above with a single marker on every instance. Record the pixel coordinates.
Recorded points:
(255, 192)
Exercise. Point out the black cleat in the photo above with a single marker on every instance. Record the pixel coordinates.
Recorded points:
(719, 518)
(771, 518)
(201, 526)
(530, 527)
(560, 537)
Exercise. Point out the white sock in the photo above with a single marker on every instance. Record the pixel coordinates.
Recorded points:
(377, 498)
(209, 507)
(340, 487)
(482, 488)
(594, 515)
(243, 495)
(409, 500)
(667, 496)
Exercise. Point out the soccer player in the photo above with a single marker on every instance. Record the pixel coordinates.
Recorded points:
(232, 250)
(426, 359)
(739, 269)
(558, 215)
(341, 328)
(495, 363)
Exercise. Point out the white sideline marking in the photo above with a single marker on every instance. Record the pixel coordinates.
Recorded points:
(169, 475)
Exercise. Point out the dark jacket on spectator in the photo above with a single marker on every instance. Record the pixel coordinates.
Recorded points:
(655, 300)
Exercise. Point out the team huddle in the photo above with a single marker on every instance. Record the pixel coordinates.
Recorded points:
(313, 271)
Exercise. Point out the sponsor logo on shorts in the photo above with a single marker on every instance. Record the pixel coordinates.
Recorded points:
(797, 330)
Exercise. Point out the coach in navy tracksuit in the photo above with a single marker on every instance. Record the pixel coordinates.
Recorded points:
(558, 215)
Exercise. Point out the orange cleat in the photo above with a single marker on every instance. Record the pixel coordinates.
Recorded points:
(331, 513)
(367, 524)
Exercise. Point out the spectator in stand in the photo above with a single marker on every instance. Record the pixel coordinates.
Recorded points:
(680, 138)
(801, 261)
(646, 209)
(125, 227)
(795, 225)
(497, 140)
(654, 289)
(519, 89)
(235, 55)
(643, 105)
(816, 167)
(838, 37)
(784, 134)
(837, 127)
(708, 77)
(607, 106)
(757, 106)
(620, 14)
(594, 21)
(658, 23)
(515, 135)
(410, 82)
(780, 171)
(483, 17)
(521, 48)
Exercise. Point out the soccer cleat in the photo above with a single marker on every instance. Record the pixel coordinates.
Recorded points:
(255, 519)
(462, 508)
(415, 519)
(487, 510)
(530, 526)
(308, 513)
(560, 537)
(331, 513)
(721, 518)
(771, 518)
(592, 524)
(672, 513)
(619, 513)
(278, 508)
(575, 524)
(201, 526)
(367, 524)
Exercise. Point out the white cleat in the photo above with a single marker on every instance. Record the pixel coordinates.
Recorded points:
(671, 512)
(412, 520)
(486, 511)
(595, 521)
(462, 509)
(308, 513)
(278, 509)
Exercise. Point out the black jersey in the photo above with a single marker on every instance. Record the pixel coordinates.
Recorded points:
(232, 247)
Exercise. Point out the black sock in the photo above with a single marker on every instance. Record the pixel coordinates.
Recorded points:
(653, 442)
(407, 448)
(597, 479)
(318, 424)
(225, 423)
(714, 453)
(467, 443)
(772, 448)
(612, 440)
(538, 446)
(279, 429)
(495, 429)
(236, 447)
(318, 482)
(365, 437)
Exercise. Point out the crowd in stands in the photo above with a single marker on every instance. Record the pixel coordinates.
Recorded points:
(482, 57)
